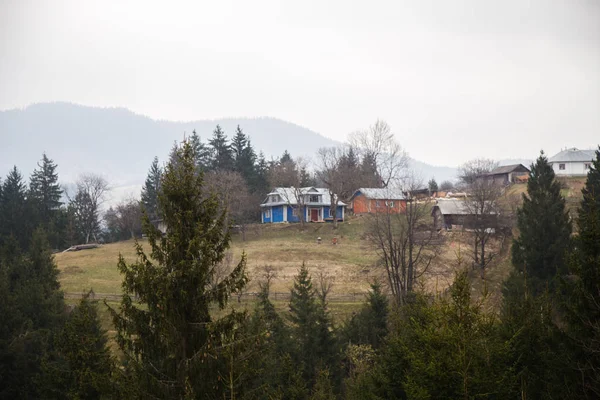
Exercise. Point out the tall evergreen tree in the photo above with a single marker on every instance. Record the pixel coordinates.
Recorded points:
(14, 219)
(172, 343)
(150, 190)
(201, 152)
(221, 151)
(311, 327)
(45, 191)
(45, 202)
(245, 157)
(582, 294)
(285, 157)
(33, 308)
(534, 355)
(544, 228)
(81, 367)
(433, 186)
(260, 184)
(369, 325)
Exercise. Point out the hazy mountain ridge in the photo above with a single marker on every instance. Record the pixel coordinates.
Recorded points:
(121, 144)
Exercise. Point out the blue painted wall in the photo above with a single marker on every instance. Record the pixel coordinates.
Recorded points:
(277, 213)
(338, 212)
(290, 215)
(265, 218)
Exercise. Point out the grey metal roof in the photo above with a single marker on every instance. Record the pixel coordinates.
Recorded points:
(452, 207)
(573, 155)
(456, 207)
(507, 169)
(382, 193)
(288, 196)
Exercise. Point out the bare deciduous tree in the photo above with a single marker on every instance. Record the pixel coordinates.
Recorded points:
(470, 171)
(406, 242)
(482, 205)
(129, 214)
(332, 174)
(325, 284)
(296, 194)
(85, 205)
(379, 145)
(233, 192)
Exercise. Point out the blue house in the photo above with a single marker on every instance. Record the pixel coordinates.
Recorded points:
(290, 204)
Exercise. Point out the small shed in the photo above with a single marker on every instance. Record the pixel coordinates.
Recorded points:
(378, 200)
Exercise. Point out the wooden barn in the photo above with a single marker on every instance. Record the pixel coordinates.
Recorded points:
(376, 200)
(508, 174)
(456, 214)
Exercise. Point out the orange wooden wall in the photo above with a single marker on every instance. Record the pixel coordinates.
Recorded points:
(362, 205)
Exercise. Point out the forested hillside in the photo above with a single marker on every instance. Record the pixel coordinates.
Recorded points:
(120, 144)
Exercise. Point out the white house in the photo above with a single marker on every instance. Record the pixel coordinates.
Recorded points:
(572, 162)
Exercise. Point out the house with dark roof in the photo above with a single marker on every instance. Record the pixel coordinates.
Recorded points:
(572, 162)
(288, 204)
(508, 174)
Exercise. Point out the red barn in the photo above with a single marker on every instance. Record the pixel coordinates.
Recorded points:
(376, 200)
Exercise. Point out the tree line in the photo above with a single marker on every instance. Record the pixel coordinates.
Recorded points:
(178, 336)
(76, 214)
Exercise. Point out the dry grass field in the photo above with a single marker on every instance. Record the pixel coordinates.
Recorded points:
(282, 247)
(351, 263)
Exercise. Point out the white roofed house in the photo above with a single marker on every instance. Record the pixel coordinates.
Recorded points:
(283, 205)
(572, 162)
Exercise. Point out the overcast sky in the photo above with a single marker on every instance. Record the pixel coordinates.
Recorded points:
(456, 79)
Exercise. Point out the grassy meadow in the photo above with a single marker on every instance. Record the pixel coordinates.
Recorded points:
(352, 263)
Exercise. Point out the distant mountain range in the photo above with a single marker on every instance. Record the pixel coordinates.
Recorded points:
(120, 144)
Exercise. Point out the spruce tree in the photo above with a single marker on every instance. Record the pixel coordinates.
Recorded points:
(14, 219)
(44, 197)
(34, 309)
(81, 367)
(433, 186)
(221, 151)
(369, 325)
(201, 152)
(311, 327)
(45, 190)
(582, 289)
(245, 157)
(260, 184)
(544, 228)
(150, 190)
(171, 341)
(285, 157)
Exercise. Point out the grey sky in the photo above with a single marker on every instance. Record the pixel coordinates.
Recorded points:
(455, 79)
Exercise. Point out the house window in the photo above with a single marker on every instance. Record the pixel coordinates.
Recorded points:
(390, 204)
(331, 212)
(587, 166)
(267, 213)
(274, 198)
(377, 204)
(561, 167)
(295, 211)
(314, 198)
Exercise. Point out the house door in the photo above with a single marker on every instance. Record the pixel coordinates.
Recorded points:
(314, 215)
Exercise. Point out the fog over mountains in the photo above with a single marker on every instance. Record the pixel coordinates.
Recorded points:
(120, 144)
